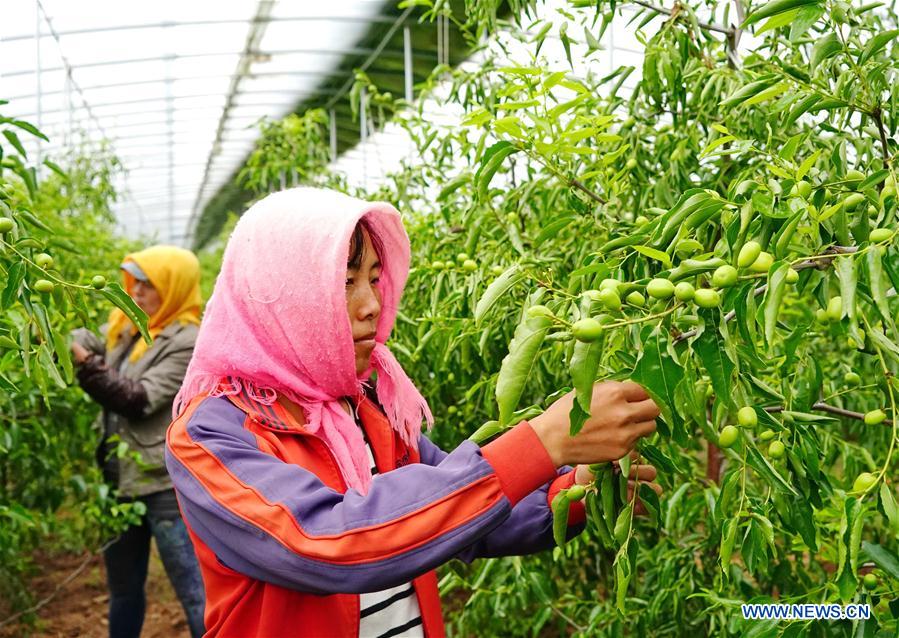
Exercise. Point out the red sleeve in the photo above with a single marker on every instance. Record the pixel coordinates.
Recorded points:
(577, 514)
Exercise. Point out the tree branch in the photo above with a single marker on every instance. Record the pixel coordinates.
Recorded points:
(704, 25)
(878, 119)
(820, 406)
(580, 186)
(68, 579)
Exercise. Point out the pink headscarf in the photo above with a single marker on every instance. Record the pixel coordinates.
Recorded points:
(278, 322)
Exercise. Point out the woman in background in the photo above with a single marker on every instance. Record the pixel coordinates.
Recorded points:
(136, 385)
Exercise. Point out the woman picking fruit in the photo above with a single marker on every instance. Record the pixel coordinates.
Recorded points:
(314, 502)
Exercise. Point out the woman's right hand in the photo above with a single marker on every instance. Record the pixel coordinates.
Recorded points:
(620, 413)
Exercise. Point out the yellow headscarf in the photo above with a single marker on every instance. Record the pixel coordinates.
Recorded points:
(175, 274)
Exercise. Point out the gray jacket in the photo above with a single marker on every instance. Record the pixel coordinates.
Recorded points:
(137, 401)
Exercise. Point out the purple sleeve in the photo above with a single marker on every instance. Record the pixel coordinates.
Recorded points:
(278, 522)
(527, 530)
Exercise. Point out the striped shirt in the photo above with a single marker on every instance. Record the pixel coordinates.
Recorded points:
(390, 612)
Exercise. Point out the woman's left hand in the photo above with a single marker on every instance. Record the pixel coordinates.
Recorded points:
(642, 473)
(80, 354)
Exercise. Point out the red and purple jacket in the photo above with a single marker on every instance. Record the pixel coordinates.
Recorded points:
(285, 549)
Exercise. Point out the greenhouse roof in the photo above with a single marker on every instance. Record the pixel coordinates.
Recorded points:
(177, 87)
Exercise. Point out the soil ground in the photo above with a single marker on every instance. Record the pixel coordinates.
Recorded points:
(79, 610)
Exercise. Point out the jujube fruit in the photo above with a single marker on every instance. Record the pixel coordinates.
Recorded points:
(610, 299)
(762, 263)
(707, 298)
(660, 288)
(853, 200)
(728, 436)
(748, 254)
(802, 188)
(870, 581)
(636, 299)
(684, 291)
(539, 311)
(863, 481)
(835, 308)
(776, 450)
(724, 276)
(747, 417)
(42, 285)
(587, 330)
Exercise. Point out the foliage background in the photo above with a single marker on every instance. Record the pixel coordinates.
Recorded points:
(553, 183)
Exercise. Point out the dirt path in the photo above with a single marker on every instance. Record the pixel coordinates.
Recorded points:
(79, 610)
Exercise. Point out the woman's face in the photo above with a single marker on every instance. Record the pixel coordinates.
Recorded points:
(363, 302)
(146, 296)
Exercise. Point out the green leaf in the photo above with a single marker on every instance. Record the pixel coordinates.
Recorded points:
(808, 16)
(712, 352)
(517, 365)
(583, 366)
(652, 253)
(876, 43)
(773, 297)
(884, 558)
(890, 509)
(846, 273)
(13, 139)
(767, 94)
(873, 179)
(622, 527)
(659, 374)
(14, 278)
(778, 21)
(879, 287)
(552, 229)
(490, 164)
(744, 93)
(824, 48)
(560, 506)
(453, 185)
(807, 164)
(650, 501)
(658, 459)
(487, 431)
(773, 8)
(761, 465)
(56, 169)
(31, 128)
(497, 288)
(114, 293)
(726, 548)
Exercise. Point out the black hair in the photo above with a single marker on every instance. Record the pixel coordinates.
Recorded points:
(357, 244)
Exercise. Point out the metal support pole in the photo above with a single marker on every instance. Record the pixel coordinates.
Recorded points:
(37, 72)
(407, 61)
(363, 134)
(332, 117)
(170, 124)
(67, 139)
(446, 44)
(440, 39)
